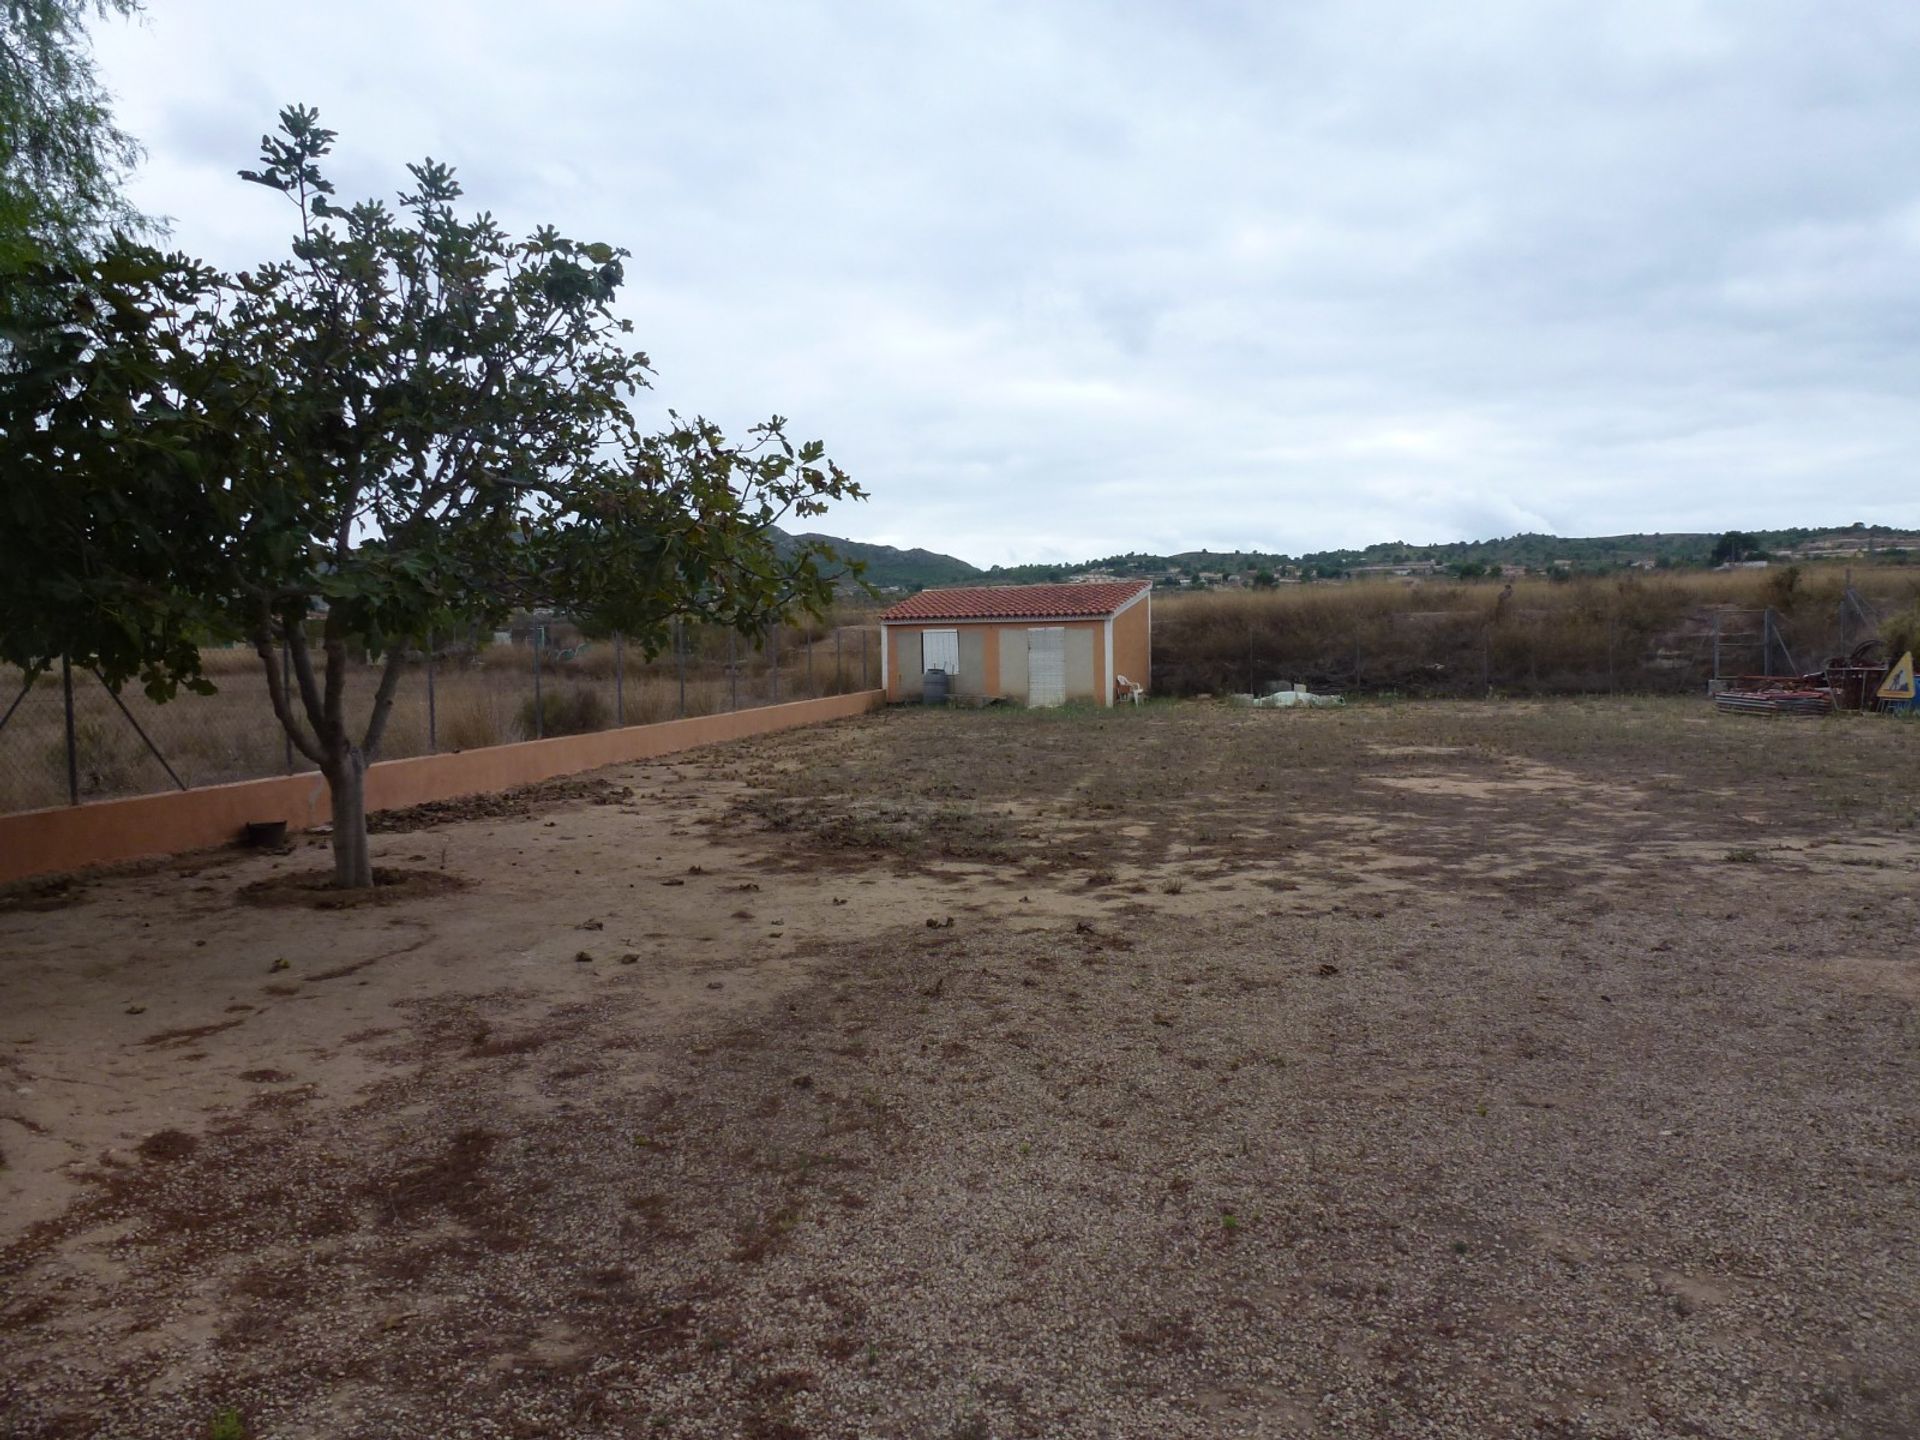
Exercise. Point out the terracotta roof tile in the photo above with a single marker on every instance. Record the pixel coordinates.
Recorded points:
(1035, 602)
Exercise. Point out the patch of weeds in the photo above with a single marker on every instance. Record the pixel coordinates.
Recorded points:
(187, 1034)
(486, 1046)
(167, 1145)
(757, 1242)
(1164, 1334)
(915, 830)
(227, 1425)
(27, 1312)
(317, 891)
(781, 1384)
(1746, 855)
(453, 1180)
(651, 1218)
(54, 894)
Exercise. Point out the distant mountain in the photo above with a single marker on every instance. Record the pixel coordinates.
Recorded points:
(889, 568)
(1513, 554)
(892, 569)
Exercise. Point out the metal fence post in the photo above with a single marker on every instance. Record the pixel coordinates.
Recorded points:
(733, 669)
(25, 686)
(73, 753)
(838, 674)
(810, 660)
(433, 719)
(773, 658)
(863, 660)
(619, 678)
(145, 739)
(680, 661)
(539, 711)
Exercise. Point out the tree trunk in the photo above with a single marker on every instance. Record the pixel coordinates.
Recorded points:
(347, 784)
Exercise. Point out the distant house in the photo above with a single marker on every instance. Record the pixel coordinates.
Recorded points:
(1037, 644)
(1399, 569)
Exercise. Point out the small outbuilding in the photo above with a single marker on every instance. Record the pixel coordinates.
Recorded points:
(1036, 644)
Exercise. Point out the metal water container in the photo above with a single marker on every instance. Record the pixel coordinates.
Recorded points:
(935, 686)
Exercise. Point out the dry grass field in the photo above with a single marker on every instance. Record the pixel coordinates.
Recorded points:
(1448, 1069)
(479, 700)
(1637, 633)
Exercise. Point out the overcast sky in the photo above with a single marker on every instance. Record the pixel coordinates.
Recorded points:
(1055, 280)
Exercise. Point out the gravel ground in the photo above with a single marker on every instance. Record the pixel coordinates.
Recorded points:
(1388, 1073)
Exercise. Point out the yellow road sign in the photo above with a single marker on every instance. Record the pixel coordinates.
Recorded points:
(1899, 682)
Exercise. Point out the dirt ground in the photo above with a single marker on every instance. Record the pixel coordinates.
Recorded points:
(1438, 1070)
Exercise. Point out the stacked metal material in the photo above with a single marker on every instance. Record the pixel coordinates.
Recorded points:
(1774, 702)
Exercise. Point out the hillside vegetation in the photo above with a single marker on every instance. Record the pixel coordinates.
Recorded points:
(888, 568)
(1636, 632)
(1593, 554)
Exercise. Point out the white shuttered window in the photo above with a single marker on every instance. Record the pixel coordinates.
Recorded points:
(942, 650)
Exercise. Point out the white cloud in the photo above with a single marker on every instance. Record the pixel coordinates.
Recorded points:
(1064, 279)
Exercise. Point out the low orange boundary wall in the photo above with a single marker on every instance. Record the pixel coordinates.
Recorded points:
(73, 837)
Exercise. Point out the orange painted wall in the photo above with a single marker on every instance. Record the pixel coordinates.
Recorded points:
(1133, 644)
(43, 842)
(990, 642)
(988, 682)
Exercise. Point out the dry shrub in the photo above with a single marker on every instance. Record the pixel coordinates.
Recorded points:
(472, 720)
(1902, 632)
(229, 660)
(598, 662)
(650, 700)
(502, 657)
(575, 710)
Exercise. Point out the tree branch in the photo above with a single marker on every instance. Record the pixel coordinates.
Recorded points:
(383, 702)
(297, 648)
(277, 694)
(334, 706)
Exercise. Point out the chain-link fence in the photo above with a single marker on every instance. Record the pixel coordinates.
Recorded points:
(67, 739)
(1385, 642)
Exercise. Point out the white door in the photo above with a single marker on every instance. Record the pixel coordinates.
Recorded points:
(940, 650)
(1047, 665)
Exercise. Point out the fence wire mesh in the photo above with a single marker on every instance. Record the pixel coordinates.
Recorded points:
(454, 697)
(1392, 645)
